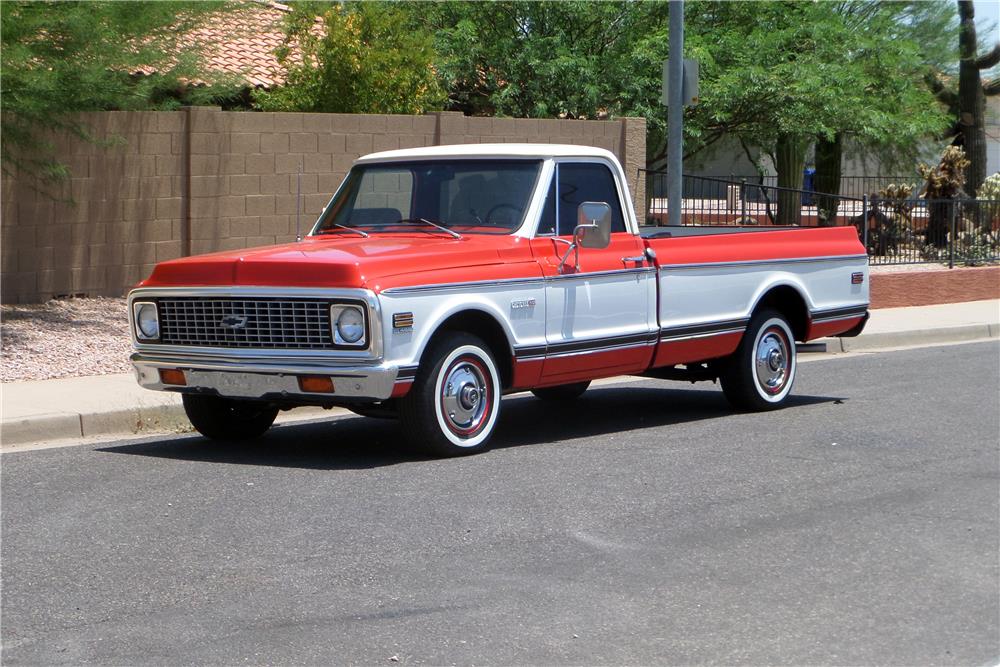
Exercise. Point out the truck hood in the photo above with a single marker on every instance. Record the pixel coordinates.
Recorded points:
(329, 261)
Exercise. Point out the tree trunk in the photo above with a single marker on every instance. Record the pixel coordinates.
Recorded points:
(829, 158)
(971, 100)
(790, 157)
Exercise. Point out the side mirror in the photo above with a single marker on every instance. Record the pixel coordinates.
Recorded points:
(593, 225)
(593, 230)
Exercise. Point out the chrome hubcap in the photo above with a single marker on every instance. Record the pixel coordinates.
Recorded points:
(771, 362)
(462, 397)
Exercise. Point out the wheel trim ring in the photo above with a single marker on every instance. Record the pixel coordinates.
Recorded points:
(772, 363)
(482, 411)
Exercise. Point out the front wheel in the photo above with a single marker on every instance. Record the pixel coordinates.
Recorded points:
(759, 375)
(228, 418)
(452, 408)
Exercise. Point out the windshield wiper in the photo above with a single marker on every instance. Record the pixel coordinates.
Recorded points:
(432, 224)
(350, 229)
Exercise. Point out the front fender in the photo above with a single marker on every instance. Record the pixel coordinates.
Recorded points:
(520, 326)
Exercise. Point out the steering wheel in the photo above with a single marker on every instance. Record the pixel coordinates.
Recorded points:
(499, 207)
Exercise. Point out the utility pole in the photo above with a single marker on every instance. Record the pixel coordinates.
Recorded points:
(675, 113)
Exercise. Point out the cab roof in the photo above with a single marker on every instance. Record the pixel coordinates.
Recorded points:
(541, 151)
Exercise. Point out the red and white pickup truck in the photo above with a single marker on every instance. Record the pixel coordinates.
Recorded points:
(439, 279)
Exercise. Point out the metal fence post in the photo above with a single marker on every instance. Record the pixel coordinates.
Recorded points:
(864, 221)
(743, 201)
(951, 235)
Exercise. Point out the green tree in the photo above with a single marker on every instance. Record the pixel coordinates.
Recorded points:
(777, 75)
(357, 57)
(61, 58)
(780, 74)
(548, 59)
(896, 44)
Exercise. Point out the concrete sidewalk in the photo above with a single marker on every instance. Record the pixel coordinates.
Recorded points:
(46, 410)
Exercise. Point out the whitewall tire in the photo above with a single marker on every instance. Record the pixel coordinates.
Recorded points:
(760, 374)
(453, 406)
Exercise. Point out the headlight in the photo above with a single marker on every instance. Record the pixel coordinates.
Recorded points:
(349, 327)
(147, 321)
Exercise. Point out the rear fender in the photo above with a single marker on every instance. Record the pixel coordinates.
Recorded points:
(775, 293)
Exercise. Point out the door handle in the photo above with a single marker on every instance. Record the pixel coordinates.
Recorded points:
(637, 258)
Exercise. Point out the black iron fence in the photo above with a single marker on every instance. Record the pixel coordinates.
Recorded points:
(894, 231)
(850, 186)
(715, 201)
(956, 231)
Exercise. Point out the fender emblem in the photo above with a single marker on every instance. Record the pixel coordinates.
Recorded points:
(522, 303)
(234, 322)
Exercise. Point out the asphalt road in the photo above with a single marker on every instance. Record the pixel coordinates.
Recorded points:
(644, 523)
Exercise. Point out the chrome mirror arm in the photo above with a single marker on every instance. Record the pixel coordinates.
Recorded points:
(578, 232)
(562, 262)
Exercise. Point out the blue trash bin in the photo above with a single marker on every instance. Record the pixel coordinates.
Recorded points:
(809, 185)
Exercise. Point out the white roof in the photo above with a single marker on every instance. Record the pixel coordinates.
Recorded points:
(490, 150)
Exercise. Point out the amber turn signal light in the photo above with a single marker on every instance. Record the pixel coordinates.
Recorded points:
(317, 384)
(172, 376)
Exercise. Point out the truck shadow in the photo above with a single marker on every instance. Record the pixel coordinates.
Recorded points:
(346, 443)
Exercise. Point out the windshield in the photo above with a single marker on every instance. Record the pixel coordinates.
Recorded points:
(465, 196)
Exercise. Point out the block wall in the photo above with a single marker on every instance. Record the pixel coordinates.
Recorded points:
(162, 185)
(926, 288)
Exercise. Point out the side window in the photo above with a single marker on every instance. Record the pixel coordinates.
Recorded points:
(585, 182)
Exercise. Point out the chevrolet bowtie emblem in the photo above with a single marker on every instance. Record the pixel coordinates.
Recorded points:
(233, 321)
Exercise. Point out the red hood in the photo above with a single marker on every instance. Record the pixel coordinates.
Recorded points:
(330, 261)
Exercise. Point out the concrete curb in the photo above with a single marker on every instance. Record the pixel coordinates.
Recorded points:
(148, 420)
(874, 341)
(67, 425)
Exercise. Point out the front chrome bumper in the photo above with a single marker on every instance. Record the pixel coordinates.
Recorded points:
(270, 378)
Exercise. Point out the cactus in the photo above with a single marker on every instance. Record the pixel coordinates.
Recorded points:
(943, 182)
(892, 218)
(990, 189)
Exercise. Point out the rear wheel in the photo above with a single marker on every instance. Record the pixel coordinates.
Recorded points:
(759, 375)
(228, 418)
(563, 392)
(452, 408)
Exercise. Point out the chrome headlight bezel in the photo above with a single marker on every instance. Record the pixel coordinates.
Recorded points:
(140, 333)
(337, 311)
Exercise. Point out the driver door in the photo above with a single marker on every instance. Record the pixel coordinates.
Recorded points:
(600, 317)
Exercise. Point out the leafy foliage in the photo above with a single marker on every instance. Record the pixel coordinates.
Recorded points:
(802, 70)
(810, 69)
(358, 57)
(60, 58)
(549, 59)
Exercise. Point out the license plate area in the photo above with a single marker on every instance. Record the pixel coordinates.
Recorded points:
(243, 385)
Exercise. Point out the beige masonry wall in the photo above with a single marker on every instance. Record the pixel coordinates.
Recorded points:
(170, 184)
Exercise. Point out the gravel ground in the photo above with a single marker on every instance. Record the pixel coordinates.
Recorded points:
(64, 338)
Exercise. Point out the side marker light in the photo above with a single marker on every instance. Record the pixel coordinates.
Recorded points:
(173, 376)
(316, 384)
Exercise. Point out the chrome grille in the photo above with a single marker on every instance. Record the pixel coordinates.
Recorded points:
(252, 323)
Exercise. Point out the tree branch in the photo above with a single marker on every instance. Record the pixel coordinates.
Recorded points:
(943, 94)
(988, 60)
